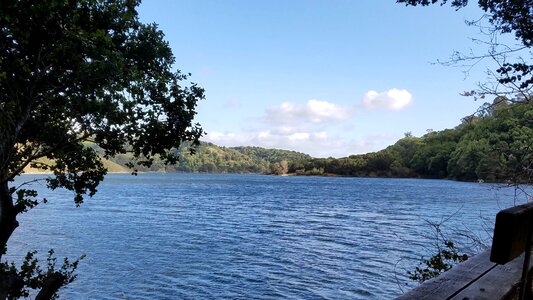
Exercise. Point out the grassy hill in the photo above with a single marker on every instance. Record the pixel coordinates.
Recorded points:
(210, 158)
(111, 166)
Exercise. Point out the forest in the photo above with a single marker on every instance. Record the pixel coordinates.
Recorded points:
(492, 145)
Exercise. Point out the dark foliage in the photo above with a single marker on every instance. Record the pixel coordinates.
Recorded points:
(445, 258)
(73, 72)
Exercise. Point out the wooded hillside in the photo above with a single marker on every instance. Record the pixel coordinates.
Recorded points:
(494, 145)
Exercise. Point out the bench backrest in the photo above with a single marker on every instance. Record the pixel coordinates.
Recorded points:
(512, 233)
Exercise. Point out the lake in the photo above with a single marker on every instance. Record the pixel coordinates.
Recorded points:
(210, 236)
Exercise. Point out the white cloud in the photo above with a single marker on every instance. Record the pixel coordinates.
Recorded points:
(314, 111)
(299, 136)
(224, 139)
(393, 99)
(264, 134)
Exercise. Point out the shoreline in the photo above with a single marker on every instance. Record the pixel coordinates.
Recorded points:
(34, 172)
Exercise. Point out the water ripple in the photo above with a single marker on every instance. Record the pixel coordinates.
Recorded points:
(192, 236)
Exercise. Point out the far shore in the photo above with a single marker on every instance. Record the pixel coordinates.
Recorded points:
(38, 172)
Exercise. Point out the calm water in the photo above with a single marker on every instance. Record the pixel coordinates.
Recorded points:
(194, 236)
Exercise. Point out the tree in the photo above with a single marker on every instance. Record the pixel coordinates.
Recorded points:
(73, 72)
(280, 168)
(513, 74)
(483, 156)
(512, 83)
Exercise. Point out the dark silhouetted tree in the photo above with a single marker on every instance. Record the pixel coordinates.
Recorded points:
(75, 71)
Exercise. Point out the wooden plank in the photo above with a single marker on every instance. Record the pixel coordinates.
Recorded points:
(449, 283)
(513, 225)
(501, 282)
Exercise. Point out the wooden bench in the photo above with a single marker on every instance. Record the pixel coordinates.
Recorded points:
(496, 273)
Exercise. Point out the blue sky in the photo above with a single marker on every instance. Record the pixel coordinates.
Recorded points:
(324, 77)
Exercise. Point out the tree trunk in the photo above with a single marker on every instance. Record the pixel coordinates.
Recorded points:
(8, 223)
(51, 285)
(8, 217)
(9, 281)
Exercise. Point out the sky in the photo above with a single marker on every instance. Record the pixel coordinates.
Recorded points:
(329, 78)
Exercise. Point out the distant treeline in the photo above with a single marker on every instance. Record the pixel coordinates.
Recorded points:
(494, 145)
(210, 158)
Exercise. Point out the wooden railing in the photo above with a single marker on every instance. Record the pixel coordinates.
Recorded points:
(476, 278)
(502, 272)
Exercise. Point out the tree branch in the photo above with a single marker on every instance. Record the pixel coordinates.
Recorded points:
(51, 285)
(44, 154)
